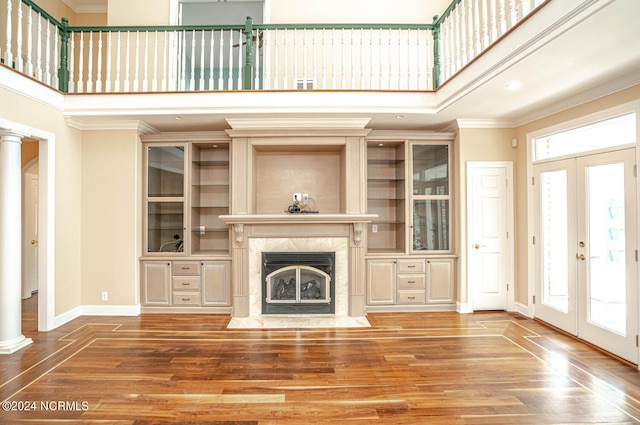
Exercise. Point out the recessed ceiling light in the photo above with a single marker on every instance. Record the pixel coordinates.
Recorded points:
(178, 118)
(514, 85)
(399, 116)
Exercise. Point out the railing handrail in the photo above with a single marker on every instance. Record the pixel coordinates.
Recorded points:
(44, 13)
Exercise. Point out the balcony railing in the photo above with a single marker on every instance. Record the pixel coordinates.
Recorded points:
(250, 56)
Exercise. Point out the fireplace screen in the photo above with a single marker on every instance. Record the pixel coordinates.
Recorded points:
(298, 283)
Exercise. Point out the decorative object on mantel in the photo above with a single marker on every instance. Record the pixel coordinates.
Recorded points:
(301, 206)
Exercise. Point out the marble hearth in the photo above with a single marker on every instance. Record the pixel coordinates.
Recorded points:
(337, 233)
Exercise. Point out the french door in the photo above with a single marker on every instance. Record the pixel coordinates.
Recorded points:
(586, 269)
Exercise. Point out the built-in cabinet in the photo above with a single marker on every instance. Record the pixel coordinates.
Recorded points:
(185, 283)
(410, 258)
(186, 261)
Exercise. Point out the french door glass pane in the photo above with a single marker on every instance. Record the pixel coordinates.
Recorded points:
(606, 229)
(431, 225)
(553, 209)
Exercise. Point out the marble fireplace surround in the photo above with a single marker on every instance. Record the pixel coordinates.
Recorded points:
(339, 233)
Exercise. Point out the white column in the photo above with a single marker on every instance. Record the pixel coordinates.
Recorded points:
(11, 338)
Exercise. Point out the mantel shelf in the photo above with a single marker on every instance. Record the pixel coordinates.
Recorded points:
(285, 218)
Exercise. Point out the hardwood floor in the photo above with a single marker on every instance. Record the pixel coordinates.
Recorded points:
(410, 368)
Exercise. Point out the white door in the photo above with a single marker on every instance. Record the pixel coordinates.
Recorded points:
(606, 266)
(30, 237)
(586, 249)
(555, 230)
(490, 249)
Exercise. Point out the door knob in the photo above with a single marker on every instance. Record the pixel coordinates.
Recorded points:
(33, 241)
(477, 246)
(580, 257)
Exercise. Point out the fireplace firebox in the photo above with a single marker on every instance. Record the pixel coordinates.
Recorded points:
(298, 282)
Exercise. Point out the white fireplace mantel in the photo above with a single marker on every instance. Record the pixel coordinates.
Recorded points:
(300, 218)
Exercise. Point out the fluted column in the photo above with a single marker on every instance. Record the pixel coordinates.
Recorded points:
(11, 338)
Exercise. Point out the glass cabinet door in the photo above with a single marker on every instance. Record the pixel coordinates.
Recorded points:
(165, 199)
(431, 198)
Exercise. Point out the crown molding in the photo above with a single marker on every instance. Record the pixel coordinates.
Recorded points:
(136, 125)
(297, 123)
(484, 123)
(92, 6)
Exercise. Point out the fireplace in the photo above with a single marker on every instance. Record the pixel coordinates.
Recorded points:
(298, 282)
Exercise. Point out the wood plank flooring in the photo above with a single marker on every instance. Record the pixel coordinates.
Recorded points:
(411, 368)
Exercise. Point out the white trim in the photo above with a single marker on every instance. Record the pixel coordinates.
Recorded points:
(18, 83)
(46, 221)
(508, 166)
(463, 308)
(96, 6)
(485, 123)
(523, 309)
(110, 310)
(66, 317)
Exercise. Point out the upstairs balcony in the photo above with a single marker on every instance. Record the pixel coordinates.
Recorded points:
(248, 56)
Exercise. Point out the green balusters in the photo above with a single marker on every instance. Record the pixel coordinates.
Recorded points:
(248, 59)
(63, 71)
(436, 52)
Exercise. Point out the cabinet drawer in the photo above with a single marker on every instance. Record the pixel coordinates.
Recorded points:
(180, 298)
(411, 266)
(181, 268)
(411, 281)
(411, 297)
(186, 283)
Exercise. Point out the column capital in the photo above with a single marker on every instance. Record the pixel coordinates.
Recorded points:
(11, 136)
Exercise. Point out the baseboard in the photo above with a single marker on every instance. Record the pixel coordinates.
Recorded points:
(406, 308)
(66, 317)
(463, 308)
(111, 310)
(523, 309)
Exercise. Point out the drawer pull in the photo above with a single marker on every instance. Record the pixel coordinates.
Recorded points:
(412, 298)
(185, 284)
(186, 299)
(411, 281)
(412, 266)
(186, 268)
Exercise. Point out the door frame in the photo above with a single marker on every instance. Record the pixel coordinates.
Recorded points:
(46, 220)
(510, 263)
(528, 309)
(27, 197)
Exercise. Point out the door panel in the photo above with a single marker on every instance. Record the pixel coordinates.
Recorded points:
(555, 232)
(489, 252)
(607, 228)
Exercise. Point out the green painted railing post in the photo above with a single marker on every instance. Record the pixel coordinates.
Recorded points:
(248, 57)
(436, 52)
(63, 71)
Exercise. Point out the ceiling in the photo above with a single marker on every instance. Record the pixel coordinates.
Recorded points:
(591, 51)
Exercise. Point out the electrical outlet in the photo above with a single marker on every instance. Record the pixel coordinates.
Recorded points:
(374, 228)
(305, 198)
(105, 296)
(296, 197)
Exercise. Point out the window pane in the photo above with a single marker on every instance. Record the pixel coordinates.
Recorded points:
(607, 253)
(431, 225)
(612, 132)
(166, 171)
(430, 170)
(553, 209)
